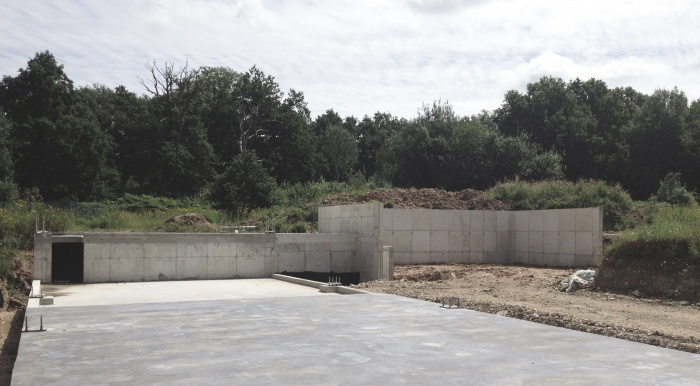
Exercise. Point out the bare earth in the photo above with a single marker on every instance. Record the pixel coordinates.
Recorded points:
(532, 293)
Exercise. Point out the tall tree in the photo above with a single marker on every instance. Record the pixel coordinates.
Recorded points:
(8, 187)
(339, 148)
(59, 145)
(654, 136)
(372, 134)
(257, 100)
(183, 160)
(125, 117)
(292, 148)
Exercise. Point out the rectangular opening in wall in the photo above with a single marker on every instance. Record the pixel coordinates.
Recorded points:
(67, 262)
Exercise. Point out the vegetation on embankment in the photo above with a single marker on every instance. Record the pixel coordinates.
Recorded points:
(617, 204)
(660, 258)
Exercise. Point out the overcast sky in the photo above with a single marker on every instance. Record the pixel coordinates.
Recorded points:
(359, 57)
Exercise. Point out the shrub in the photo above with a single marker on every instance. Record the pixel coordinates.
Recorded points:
(614, 200)
(673, 191)
(299, 227)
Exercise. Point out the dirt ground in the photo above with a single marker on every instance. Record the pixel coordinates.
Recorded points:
(11, 317)
(532, 293)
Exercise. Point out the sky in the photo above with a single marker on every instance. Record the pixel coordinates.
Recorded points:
(359, 57)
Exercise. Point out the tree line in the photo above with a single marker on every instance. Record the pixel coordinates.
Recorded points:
(223, 134)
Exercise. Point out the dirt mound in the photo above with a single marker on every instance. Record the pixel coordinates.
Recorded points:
(467, 199)
(677, 279)
(190, 222)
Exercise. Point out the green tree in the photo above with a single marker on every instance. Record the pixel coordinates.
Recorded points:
(243, 186)
(218, 110)
(8, 187)
(59, 146)
(372, 134)
(182, 160)
(291, 147)
(257, 100)
(689, 159)
(654, 136)
(339, 148)
(125, 117)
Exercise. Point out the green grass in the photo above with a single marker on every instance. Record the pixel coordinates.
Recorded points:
(673, 233)
(19, 221)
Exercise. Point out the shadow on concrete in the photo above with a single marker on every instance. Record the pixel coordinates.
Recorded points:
(11, 348)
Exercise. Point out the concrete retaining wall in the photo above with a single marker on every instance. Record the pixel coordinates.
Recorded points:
(127, 257)
(561, 237)
(365, 238)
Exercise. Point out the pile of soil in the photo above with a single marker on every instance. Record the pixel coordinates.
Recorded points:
(532, 293)
(677, 279)
(467, 199)
(190, 222)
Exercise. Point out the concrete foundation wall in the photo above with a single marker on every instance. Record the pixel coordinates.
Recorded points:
(127, 257)
(365, 238)
(561, 237)
(316, 252)
(365, 221)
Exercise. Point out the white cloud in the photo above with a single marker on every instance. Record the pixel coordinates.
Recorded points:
(360, 57)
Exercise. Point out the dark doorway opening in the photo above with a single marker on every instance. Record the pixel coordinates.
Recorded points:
(67, 262)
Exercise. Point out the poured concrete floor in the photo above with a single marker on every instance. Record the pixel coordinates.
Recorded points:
(271, 332)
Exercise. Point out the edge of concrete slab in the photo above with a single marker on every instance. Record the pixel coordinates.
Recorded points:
(317, 284)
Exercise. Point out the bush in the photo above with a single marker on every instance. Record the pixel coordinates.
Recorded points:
(299, 227)
(614, 200)
(7, 254)
(672, 191)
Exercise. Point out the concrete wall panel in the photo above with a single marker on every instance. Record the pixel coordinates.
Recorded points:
(490, 221)
(155, 268)
(292, 261)
(221, 267)
(342, 261)
(439, 220)
(420, 219)
(439, 241)
(567, 243)
(402, 219)
(420, 241)
(535, 221)
(476, 219)
(250, 267)
(535, 242)
(455, 220)
(191, 267)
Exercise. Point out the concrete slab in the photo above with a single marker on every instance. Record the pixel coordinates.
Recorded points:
(271, 332)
